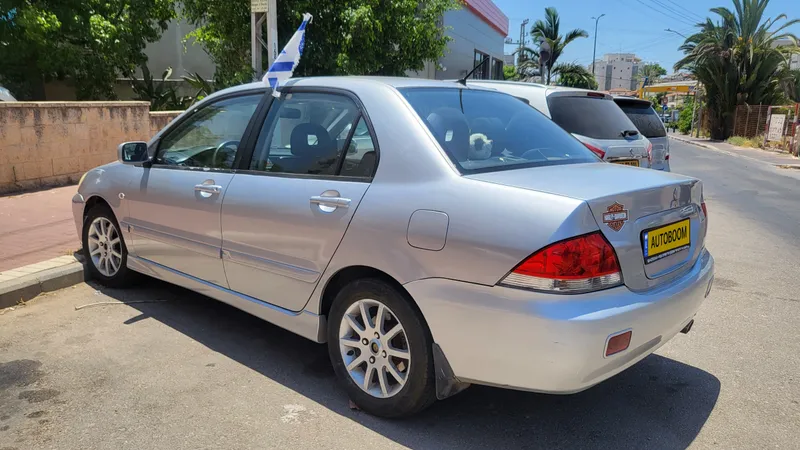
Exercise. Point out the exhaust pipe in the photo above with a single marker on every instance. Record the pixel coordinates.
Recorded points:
(688, 327)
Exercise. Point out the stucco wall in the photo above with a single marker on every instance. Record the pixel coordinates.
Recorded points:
(52, 143)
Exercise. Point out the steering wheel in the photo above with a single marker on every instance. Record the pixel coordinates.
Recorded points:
(220, 147)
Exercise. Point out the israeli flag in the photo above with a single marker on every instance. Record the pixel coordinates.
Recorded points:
(283, 66)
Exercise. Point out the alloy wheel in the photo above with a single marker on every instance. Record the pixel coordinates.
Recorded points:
(105, 246)
(374, 348)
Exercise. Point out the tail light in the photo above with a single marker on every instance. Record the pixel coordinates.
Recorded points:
(666, 157)
(597, 151)
(705, 211)
(581, 264)
(650, 154)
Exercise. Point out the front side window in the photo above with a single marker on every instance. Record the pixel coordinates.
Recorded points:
(483, 131)
(644, 117)
(210, 137)
(306, 134)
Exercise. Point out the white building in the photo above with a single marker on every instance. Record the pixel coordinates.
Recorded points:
(794, 63)
(616, 71)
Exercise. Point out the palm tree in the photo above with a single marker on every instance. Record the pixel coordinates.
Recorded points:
(548, 31)
(738, 61)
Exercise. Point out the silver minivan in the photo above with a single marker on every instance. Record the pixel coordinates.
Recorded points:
(591, 116)
(648, 122)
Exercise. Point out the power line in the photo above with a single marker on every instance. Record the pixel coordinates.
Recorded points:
(671, 16)
(672, 10)
(698, 16)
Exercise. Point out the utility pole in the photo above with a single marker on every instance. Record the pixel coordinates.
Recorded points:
(594, 52)
(262, 11)
(521, 36)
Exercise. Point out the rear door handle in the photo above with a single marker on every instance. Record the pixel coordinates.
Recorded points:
(208, 188)
(336, 202)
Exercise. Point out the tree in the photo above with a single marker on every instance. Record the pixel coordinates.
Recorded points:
(652, 71)
(346, 37)
(510, 73)
(548, 31)
(575, 75)
(791, 86)
(738, 61)
(88, 43)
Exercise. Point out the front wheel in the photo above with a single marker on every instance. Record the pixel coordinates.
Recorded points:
(104, 248)
(380, 348)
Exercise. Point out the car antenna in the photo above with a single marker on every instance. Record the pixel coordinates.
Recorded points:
(464, 80)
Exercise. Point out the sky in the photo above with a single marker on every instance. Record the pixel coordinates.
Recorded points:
(629, 26)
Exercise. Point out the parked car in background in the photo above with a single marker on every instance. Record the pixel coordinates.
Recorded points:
(377, 215)
(5, 95)
(647, 121)
(591, 116)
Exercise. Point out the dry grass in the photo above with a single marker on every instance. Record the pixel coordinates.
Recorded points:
(739, 141)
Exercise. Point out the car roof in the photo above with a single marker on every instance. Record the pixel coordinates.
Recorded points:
(351, 81)
(540, 88)
(623, 98)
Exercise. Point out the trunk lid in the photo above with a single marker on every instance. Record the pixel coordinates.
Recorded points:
(631, 206)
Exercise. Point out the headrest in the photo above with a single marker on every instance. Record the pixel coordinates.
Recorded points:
(324, 145)
(451, 129)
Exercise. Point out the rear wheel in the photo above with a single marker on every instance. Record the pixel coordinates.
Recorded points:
(381, 350)
(104, 248)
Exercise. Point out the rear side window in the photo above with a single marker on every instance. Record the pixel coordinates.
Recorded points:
(485, 131)
(644, 117)
(593, 117)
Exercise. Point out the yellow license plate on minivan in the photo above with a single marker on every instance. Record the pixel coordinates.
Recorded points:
(627, 162)
(664, 241)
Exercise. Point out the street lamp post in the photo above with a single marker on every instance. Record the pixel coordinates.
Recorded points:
(594, 51)
(673, 31)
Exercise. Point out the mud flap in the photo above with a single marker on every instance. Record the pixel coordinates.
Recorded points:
(447, 385)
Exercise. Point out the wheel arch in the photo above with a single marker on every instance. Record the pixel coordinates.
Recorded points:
(93, 201)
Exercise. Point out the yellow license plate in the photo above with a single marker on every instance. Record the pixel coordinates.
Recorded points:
(665, 241)
(627, 162)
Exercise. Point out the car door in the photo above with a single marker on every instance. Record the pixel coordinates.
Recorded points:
(289, 205)
(175, 205)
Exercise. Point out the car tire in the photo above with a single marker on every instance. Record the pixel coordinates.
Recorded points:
(387, 397)
(104, 248)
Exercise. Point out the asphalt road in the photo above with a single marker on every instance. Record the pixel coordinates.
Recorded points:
(184, 372)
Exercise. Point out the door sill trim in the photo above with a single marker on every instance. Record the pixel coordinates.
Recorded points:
(303, 323)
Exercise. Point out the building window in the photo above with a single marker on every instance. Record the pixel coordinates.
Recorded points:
(483, 72)
(497, 69)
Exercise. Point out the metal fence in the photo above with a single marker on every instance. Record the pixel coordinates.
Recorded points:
(750, 120)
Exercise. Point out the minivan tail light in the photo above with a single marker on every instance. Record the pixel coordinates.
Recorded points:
(650, 154)
(705, 211)
(581, 264)
(595, 150)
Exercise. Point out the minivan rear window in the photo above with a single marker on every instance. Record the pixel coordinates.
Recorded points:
(593, 117)
(644, 117)
(485, 131)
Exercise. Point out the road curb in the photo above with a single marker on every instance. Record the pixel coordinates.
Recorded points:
(689, 141)
(26, 287)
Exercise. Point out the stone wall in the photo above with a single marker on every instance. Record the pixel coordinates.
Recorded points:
(54, 143)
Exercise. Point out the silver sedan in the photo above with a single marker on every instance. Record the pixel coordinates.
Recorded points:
(434, 235)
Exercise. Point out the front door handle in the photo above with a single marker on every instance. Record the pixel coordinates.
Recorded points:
(336, 202)
(208, 188)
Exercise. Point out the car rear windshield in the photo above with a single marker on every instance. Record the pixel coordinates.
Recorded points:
(644, 117)
(485, 131)
(593, 117)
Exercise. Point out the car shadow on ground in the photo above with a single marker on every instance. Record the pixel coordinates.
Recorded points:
(658, 403)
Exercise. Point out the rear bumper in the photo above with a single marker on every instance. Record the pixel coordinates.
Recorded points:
(553, 343)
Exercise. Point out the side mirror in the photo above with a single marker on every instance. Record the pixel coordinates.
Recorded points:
(132, 152)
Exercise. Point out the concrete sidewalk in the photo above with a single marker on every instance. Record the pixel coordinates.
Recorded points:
(36, 226)
(775, 158)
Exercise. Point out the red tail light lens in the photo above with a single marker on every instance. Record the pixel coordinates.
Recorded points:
(580, 264)
(595, 150)
(650, 154)
(666, 158)
(705, 211)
